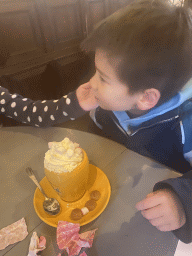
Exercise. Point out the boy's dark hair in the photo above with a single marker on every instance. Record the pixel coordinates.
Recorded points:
(153, 38)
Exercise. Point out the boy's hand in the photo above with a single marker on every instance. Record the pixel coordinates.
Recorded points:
(86, 97)
(163, 209)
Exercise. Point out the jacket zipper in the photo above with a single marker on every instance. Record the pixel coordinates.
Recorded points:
(163, 121)
(119, 126)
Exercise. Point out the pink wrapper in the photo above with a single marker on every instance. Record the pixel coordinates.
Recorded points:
(68, 238)
(36, 244)
(13, 233)
(83, 254)
(67, 232)
(86, 238)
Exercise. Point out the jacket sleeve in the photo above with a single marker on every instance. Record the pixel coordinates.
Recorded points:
(182, 186)
(39, 113)
(186, 131)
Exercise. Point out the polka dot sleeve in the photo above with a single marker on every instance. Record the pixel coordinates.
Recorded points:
(39, 113)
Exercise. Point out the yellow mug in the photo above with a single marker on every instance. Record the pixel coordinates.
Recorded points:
(70, 186)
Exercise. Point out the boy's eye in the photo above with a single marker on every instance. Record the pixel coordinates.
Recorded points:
(103, 80)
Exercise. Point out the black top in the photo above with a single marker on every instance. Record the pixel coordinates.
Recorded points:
(39, 113)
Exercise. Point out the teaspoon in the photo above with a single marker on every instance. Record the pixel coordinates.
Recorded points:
(50, 205)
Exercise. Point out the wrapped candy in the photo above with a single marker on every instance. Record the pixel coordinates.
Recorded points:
(13, 233)
(36, 244)
(69, 239)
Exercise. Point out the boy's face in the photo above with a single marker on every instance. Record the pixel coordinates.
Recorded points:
(109, 91)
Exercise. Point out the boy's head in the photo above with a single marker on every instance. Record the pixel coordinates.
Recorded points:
(147, 46)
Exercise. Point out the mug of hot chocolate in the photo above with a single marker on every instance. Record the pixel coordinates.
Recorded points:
(66, 167)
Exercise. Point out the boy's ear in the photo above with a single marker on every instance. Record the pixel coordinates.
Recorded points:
(149, 99)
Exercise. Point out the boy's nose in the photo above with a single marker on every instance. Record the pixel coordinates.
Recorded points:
(93, 83)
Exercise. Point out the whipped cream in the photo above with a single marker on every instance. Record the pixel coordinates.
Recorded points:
(63, 156)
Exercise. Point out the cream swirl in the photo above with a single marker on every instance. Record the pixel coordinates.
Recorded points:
(63, 156)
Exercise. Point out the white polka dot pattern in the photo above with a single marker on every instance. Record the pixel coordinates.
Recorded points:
(34, 109)
(35, 113)
(52, 117)
(68, 101)
(40, 119)
(13, 104)
(64, 113)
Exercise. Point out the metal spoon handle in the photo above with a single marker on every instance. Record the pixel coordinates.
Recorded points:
(32, 176)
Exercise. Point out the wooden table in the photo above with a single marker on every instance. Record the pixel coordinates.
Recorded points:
(121, 229)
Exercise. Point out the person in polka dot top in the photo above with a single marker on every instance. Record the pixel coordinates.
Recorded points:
(47, 112)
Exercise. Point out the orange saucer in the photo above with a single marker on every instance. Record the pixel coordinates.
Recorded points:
(97, 181)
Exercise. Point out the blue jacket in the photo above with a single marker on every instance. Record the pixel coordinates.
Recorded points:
(164, 134)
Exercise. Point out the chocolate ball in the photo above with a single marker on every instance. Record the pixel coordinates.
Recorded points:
(95, 195)
(76, 214)
(91, 205)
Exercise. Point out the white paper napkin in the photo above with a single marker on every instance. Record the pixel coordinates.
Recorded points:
(183, 249)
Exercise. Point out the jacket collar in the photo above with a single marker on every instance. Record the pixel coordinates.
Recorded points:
(169, 116)
(132, 129)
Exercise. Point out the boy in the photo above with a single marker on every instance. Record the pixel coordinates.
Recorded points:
(143, 59)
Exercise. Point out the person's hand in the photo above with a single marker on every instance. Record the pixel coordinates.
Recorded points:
(86, 97)
(163, 209)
